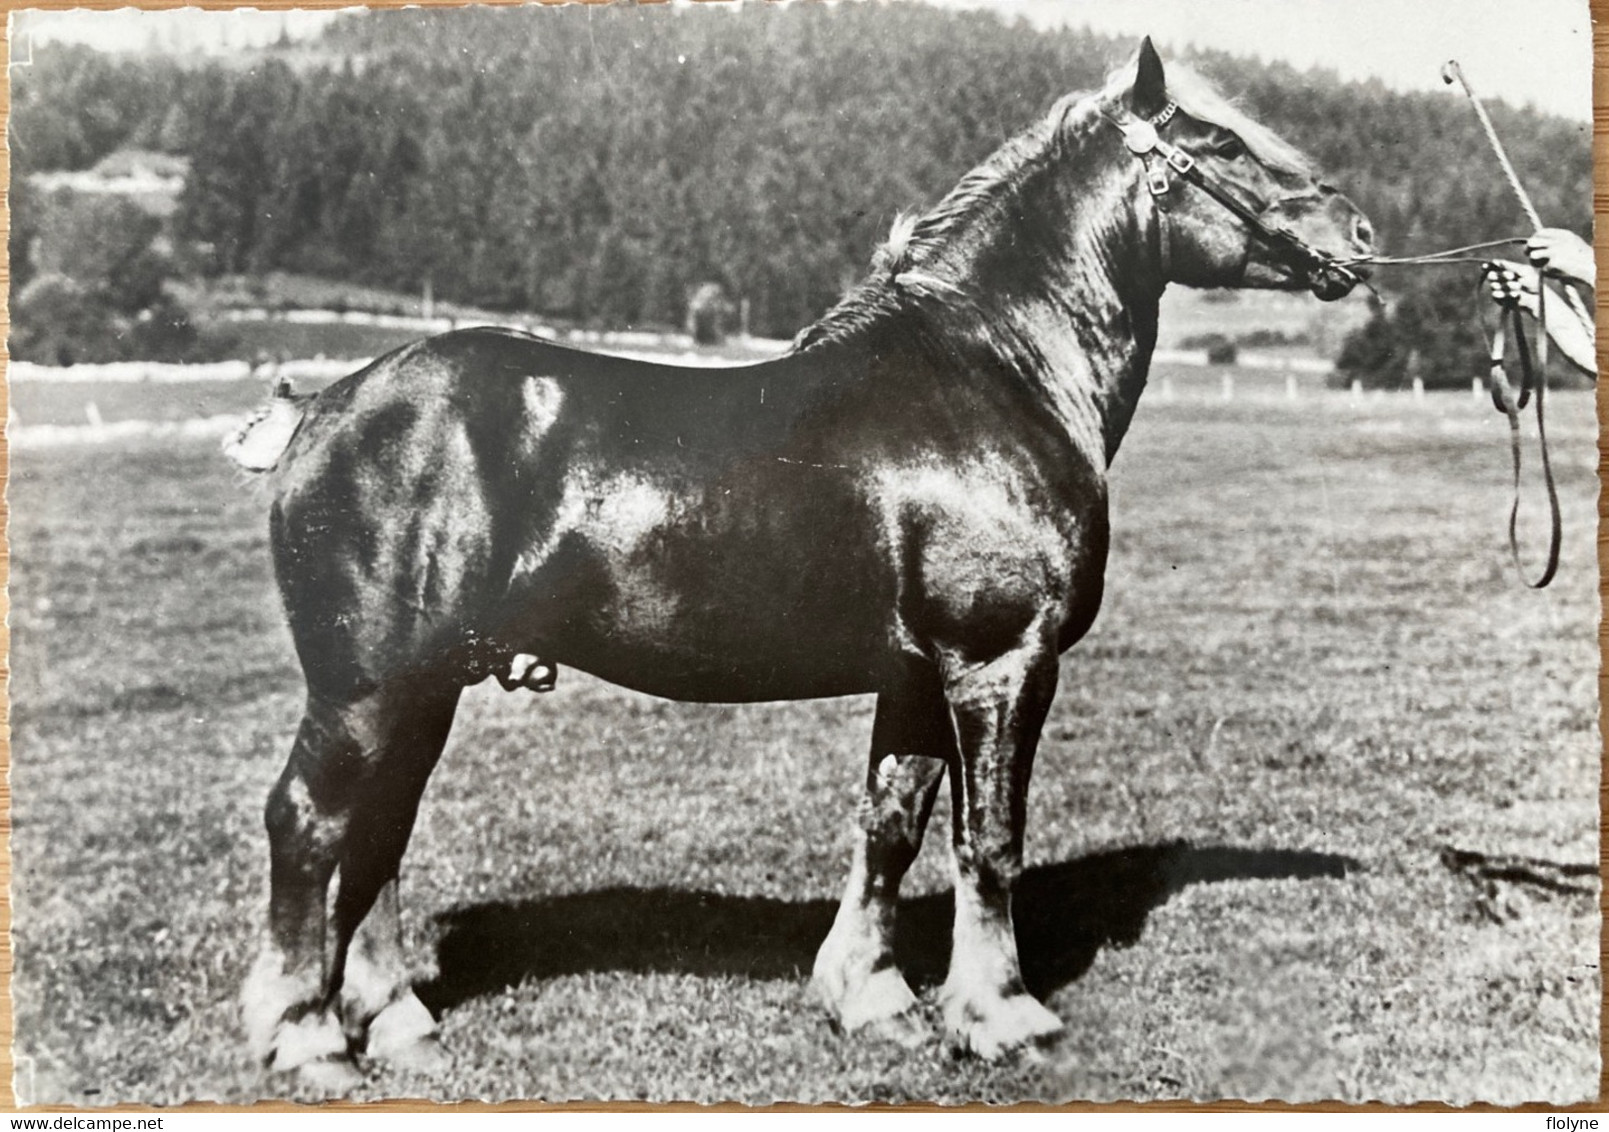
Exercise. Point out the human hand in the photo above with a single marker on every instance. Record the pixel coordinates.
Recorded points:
(1513, 284)
(1560, 252)
(1510, 283)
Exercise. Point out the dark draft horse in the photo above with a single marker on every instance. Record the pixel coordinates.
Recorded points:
(912, 503)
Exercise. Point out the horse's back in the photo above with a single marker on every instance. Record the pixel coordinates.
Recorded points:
(483, 492)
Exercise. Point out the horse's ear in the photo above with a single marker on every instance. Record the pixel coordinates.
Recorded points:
(1150, 94)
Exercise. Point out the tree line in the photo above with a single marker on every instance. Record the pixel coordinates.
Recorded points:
(599, 163)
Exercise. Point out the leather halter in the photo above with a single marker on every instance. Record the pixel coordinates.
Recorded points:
(1142, 137)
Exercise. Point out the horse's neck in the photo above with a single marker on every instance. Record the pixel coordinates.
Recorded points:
(1094, 344)
(1089, 318)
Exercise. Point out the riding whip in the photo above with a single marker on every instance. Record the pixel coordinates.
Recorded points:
(1451, 73)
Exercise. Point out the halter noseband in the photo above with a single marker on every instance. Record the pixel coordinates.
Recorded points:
(1142, 138)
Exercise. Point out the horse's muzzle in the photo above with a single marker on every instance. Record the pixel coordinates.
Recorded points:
(1331, 281)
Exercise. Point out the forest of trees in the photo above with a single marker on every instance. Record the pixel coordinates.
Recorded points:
(600, 163)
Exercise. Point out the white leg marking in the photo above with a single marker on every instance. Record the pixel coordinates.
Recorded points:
(267, 994)
(404, 1034)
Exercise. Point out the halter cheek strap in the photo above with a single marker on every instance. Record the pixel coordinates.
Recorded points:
(1142, 138)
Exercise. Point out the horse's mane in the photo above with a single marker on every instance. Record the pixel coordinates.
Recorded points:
(896, 279)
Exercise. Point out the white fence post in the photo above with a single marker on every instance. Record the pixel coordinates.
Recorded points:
(1229, 387)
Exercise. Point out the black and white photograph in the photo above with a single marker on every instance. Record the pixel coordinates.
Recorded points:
(833, 552)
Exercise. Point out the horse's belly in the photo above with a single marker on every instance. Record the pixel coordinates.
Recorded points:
(728, 678)
(781, 609)
(680, 647)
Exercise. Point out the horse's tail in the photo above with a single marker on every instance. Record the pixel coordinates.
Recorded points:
(259, 443)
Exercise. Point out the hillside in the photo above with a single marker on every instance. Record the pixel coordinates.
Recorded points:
(599, 163)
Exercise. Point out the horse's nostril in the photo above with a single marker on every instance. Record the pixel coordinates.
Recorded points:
(1363, 231)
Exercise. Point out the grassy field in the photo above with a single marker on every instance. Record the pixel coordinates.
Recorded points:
(1186, 311)
(66, 403)
(1303, 822)
(272, 338)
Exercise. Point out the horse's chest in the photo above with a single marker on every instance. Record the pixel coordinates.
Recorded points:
(986, 552)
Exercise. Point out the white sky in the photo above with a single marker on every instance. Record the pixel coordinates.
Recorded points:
(1537, 51)
(127, 29)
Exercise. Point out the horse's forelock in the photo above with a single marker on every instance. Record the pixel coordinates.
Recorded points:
(1199, 99)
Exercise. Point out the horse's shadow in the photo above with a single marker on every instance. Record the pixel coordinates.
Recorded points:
(1065, 914)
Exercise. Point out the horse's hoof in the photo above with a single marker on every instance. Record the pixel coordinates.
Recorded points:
(424, 1055)
(992, 1028)
(327, 1077)
(881, 1005)
(404, 1034)
(905, 1029)
(310, 1039)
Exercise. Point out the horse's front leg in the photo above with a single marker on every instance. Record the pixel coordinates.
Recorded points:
(855, 976)
(998, 709)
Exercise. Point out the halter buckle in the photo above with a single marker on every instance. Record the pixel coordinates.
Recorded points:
(1181, 161)
(1156, 179)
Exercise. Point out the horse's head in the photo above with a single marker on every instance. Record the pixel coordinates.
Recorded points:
(1236, 205)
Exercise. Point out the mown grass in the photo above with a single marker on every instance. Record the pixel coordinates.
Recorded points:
(67, 403)
(276, 338)
(1314, 673)
(37, 402)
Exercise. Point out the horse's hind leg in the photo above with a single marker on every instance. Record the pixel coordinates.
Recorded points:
(378, 1004)
(854, 974)
(346, 798)
(379, 1009)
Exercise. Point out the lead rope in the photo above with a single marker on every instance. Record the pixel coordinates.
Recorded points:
(1541, 381)
(1505, 398)
(1432, 259)
(1507, 401)
(1512, 403)
(1451, 72)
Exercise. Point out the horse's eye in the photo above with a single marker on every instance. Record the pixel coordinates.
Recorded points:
(1230, 149)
